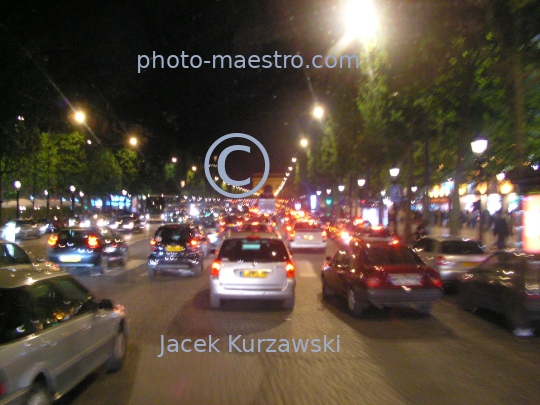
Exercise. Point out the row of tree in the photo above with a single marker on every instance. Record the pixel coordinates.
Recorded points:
(461, 69)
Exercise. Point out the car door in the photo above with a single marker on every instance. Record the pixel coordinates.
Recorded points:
(342, 267)
(482, 280)
(97, 328)
(60, 335)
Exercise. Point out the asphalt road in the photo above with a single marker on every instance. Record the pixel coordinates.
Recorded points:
(386, 357)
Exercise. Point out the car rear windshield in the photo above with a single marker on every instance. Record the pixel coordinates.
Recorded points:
(75, 236)
(176, 235)
(253, 250)
(306, 226)
(376, 233)
(461, 247)
(391, 255)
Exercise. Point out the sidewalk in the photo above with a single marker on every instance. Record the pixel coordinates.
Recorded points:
(488, 239)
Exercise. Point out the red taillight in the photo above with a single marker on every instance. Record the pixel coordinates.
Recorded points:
(222, 223)
(52, 240)
(93, 241)
(289, 228)
(323, 233)
(436, 281)
(216, 266)
(441, 261)
(290, 270)
(373, 282)
(292, 234)
(194, 243)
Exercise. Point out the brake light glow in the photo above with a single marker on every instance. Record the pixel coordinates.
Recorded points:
(436, 281)
(216, 266)
(373, 282)
(52, 240)
(290, 270)
(93, 241)
(441, 261)
(323, 233)
(194, 242)
(222, 223)
(289, 228)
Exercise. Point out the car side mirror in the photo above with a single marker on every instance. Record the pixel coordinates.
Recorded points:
(106, 304)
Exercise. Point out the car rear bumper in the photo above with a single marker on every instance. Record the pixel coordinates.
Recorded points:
(85, 260)
(307, 245)
(452, 274)
(188, 264)
(244, 292)
(403, 296)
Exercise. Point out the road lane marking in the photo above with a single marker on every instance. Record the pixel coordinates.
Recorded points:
(132, 264)
(305, 269)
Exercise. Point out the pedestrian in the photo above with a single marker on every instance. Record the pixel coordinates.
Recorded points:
(501, 230)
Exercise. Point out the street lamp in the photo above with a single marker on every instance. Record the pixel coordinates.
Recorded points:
(341, 188)
(80, 117)
(17, 185)
(124, 193)
(394, 173)
(174, 160)
(194, 168)
(133, 141)
(72, 189)
(46, 193)
(304, 143)
(479, 146)
(360, 19)
(293, 160)
(361, 183)
(318, 112)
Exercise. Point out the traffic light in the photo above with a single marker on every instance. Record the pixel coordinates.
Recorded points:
(328, 201)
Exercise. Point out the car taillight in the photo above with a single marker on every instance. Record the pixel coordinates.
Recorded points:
(52, 240)
(435, 281)
(292, 234)
(345, 235)
(222, 223)
(441, 261)
(216, 266)
(290, 270)
(324, 234)
(194, 243)
(289, 228)
(93, 241)
(373, 282)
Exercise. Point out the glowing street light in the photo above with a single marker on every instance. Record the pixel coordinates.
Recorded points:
(479, 146)
(318, 112)
(174, 160)
(341, 188)
(194, 168)
(80, 117)
(290, 168)
(293, 160)
(394, 172)
(304, 143)
(361, 182)
(72, 189)
(360, 19)
(133, 141)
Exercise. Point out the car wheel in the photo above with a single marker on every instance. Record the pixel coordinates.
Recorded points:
(39, 395)
(517, 317)
(465, 299)
(118, 356)
(355, 307)
(327, 292)
(198, 271)
(125, 258)
(215, 301)
(288, 303)
(424, 308)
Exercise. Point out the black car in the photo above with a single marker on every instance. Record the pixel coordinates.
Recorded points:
(87, 247)
(507, 282)
(178, 248)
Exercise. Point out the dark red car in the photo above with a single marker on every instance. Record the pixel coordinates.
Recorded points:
(382, 274)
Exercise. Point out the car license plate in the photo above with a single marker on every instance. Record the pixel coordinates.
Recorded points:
(70, 258)
(308, 237)
(468, 264)
(405, 279)
(174, 248)
(254, 273)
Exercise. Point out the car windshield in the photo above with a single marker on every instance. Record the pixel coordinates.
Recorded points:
(461, 247)
(391, 255)
(176, 235)
(253, 250)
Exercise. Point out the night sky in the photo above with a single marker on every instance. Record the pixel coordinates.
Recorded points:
(90, 51)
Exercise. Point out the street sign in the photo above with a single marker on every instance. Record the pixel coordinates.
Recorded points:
(395, 193)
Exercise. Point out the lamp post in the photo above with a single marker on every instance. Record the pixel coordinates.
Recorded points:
(81, 194)
(479, 146)
(72, 189)
(46, 193)
(17, 185)
(395, 195)
(124, 193)
(361, 183)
